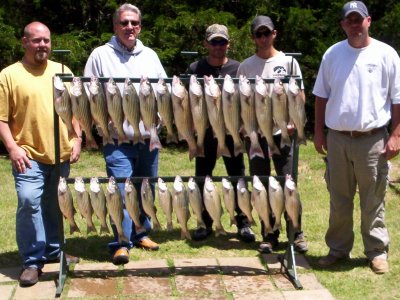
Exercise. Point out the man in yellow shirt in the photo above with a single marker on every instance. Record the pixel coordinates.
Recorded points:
(26, 127)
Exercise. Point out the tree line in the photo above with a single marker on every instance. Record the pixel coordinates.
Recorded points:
(170, 27)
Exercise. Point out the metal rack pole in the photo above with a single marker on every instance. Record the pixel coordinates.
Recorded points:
(63, 269)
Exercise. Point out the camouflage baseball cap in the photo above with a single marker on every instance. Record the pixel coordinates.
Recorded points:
(217, 30)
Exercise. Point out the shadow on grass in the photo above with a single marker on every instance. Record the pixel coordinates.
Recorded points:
(222, 242)
(10, 259)
(342, 266)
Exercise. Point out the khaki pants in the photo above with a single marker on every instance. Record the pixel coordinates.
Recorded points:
(352, 162)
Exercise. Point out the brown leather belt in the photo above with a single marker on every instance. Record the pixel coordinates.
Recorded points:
(357, 134)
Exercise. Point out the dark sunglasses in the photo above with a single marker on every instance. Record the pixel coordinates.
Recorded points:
(220, 42)
(132, 22)
(259, 34)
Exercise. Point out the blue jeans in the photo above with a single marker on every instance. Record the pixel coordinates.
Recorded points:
(36, 219)
(124, 161)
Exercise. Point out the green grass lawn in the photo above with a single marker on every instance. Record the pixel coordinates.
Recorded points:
(352, 280)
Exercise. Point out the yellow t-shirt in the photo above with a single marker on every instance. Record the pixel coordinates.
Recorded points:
(26, 103)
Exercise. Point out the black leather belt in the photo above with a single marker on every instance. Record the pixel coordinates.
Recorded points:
(357, 134)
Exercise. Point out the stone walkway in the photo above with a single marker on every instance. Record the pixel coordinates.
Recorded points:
(201, 278)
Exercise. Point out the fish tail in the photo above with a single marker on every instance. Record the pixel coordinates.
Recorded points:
(277, 226)
(220, 231)
(192, 152)
(273, 149)
(73, 228)
(104, 229)
(91, 228)
(223, 150)
(255, 150)
(239, 148)
(185, 235)
(154, 141)
(172, 138)
(156, 224)
(200, 150)
(170, 226)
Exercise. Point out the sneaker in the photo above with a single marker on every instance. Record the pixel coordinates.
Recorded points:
(330, 260)
(147, 244)
(268, 246)
(246, 234)
(379, 265)
(29, 276)
(121, 256)
(300, 244)
(201, 233)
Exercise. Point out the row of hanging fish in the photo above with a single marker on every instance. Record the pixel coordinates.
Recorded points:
(274, 199)
(237, 109)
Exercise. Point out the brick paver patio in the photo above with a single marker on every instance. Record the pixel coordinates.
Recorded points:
(201, 278)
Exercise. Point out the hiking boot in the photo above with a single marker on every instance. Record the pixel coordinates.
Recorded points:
(201, 233)
(147, 244)
(121, 256)
(379, 265)
(330, 260)
(268, 246)
(300, 244)
(246, 234)
(29, 276)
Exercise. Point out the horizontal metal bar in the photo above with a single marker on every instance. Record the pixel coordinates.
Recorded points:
(185, 79)
(184, 178)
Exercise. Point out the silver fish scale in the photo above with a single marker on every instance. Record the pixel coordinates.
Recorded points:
(98, 108)
(114, 105)
(131, 109)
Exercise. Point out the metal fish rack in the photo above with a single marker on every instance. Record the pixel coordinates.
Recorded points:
(287, 260)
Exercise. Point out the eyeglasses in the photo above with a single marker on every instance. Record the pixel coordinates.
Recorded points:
(259, 34)
(132, 22)
(219, 42)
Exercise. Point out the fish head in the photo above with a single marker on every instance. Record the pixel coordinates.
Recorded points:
(128, 185)
(145, 86)
(278, 86)
(58, 83)
(191, 184)
(228, 85)
(112, 86)
(226, 184)
(194, 86)
(79, 184)
(76, 87)
(257, 184)
(289, 183)
(94, 85)
(162, 186)
(293, 87)
(94, 185)
(261, 87)
(178, 89)
(244, 86)
(161, 87)
(178, 184)
(62, 185)
(209, 185)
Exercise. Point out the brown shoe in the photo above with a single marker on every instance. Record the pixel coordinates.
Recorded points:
(121, 256)
(330, 260)
(147, 244)
(29, 277)
(379, 265)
